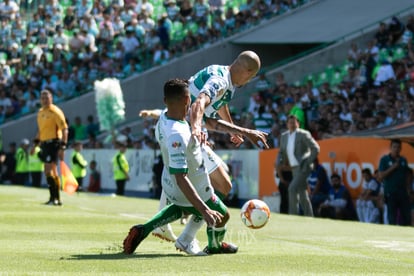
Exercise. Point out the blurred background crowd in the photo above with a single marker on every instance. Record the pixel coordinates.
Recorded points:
(372, 88)
(66, 45)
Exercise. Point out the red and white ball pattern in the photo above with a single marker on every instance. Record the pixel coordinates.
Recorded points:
(255, 213)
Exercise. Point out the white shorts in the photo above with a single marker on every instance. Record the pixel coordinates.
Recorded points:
(211, 160)
(175, 195)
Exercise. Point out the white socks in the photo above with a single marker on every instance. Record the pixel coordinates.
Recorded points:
(193, 225)
(163, 200)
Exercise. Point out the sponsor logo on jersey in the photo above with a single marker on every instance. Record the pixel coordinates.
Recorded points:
(212, 92)
(176, 145)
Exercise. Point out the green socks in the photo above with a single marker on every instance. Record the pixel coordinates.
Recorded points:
(215, 237)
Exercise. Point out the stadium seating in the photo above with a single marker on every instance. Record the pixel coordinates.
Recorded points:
(178, 32)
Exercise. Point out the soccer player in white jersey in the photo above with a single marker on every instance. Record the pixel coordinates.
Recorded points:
(185, 179)
(186, 241)
(211, 90)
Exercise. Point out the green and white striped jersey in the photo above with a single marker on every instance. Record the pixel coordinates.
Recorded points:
(215, 82)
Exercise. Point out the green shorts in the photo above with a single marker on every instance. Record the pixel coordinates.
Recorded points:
(213, 203)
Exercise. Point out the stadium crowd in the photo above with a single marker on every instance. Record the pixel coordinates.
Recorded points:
(373, 88)
(66, 45)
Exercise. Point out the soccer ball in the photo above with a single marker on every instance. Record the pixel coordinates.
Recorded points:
(255, 213)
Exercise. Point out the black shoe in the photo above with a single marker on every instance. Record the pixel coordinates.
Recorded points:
(57, 202)
(50, 202)
(226, 248)
(134, 238)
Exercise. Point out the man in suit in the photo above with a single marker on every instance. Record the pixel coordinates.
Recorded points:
(298, 150)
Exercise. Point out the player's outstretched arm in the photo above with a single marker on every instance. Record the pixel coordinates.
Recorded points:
(257, 137)
(196, 116)
(224, 114)
(152, 113)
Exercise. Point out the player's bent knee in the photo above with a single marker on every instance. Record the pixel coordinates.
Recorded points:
(221, 181)
(224, 220)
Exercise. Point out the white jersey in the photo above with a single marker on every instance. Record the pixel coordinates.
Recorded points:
(371, 185)
(211, 160)
(181, 153)
(215, 82)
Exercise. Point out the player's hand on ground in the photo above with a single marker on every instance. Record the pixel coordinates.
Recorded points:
(237, 140)
(212, 217)
(259, 138)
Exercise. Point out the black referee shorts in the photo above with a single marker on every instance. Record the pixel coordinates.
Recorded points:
(49, 151)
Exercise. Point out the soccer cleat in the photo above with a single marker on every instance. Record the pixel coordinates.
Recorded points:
(226, 248)
(50, 202)
(164, 233)
(134, 238)
(192, 248)
(57, 202)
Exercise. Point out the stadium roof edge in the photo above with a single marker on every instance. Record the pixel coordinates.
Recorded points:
(308, 24)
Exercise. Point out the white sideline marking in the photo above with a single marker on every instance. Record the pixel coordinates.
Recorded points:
(121, 214)
(401, 246)
(87, 209)
(132, 216)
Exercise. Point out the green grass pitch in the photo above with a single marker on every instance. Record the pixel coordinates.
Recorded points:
(84, 237)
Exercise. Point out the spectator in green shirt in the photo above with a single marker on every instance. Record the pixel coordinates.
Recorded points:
(79, 130)
(22, 163)
(293, 109)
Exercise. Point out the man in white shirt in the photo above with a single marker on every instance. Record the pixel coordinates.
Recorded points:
(385, 73)
(298, 149)
(61, 38)
(144, 6)
(9, 9)
(5, 101)
(366, 203)
(130, 43)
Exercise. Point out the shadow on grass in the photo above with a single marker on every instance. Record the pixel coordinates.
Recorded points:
(120, 255)
(114, 252)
